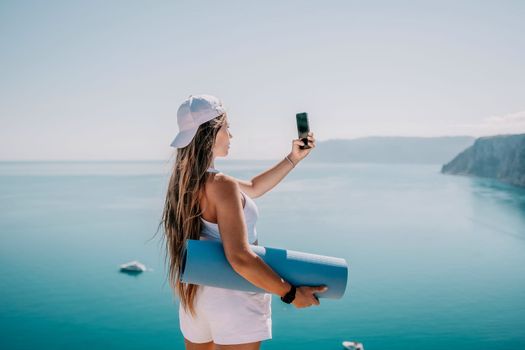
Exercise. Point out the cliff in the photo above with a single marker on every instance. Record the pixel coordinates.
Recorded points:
(500, 157)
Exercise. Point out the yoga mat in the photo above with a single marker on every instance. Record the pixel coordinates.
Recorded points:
(205, 263)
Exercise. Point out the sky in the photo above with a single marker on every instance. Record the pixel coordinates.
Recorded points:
(102, 80)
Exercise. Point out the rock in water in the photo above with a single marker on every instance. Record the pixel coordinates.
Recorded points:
(133, 266)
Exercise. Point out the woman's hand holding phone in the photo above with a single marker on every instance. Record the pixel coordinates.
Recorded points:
(298, 153)
(303, 145)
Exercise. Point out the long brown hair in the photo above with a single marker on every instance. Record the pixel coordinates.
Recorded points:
(181, 214)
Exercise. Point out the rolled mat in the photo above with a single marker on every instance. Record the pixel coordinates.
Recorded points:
(205, 263)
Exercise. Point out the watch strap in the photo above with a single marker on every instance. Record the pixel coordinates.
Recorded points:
(289, 296)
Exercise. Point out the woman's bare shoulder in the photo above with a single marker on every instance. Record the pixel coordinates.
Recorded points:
(222, 185)
(222, 182)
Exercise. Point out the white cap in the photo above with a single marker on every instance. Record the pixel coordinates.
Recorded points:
(194, 111)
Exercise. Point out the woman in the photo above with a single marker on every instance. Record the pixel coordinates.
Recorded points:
(204, 203)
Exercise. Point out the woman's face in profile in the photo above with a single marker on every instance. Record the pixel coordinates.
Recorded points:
(222, 140)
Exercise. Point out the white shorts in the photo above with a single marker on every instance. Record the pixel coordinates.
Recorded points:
(227, 317)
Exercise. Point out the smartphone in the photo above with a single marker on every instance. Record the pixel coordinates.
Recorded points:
(303, 129)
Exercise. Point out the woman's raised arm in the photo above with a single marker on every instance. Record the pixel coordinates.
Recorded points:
(267, 180)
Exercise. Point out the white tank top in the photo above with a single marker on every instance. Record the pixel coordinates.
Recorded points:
(210, 230)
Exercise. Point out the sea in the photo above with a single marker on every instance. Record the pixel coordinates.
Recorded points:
(435, 261)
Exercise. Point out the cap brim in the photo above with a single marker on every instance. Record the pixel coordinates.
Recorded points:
(183, 138)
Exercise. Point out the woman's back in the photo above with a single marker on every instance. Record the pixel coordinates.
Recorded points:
(210, 230)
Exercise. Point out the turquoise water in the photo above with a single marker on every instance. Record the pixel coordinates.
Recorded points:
(435, 261)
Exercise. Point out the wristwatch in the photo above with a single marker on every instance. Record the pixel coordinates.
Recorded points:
(290, 296)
